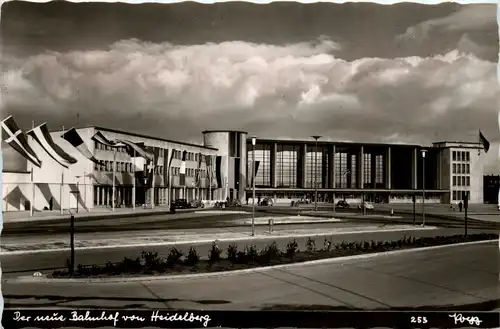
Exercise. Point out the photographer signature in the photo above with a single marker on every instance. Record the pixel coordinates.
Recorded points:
(459, 318)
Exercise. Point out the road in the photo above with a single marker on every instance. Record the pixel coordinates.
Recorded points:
(14, 263)
(461, 277)
(207, 219)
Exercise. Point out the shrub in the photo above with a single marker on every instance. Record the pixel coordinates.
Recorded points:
(109, 268)
(128, 265)
(270, 253)
(251, 253)
(151, 259)
(310, 245)
(241, 257)
(214, 253)
(327, 245)
(192, 258)
(292, 247)
(174, 257)
(232, 252)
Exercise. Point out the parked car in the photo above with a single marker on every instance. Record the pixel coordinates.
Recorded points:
(267, 202)
(196, 204)
(233, 203)
(181, 204)
(343, 204)
(366, 205)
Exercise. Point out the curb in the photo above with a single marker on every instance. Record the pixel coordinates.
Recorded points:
(238, 239)
(244, 271)
(292, 222)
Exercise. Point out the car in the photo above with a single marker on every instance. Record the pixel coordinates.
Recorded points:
(233, 203)
(196, 204)
(267, 202)
(343, 204)
(181, 204)
(367, 206)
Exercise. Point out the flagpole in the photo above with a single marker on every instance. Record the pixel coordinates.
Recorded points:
(210, 181)
(133, 183)
(114, 178)
(32, 183)
(62, 185)
(153, 167)
(85, 189)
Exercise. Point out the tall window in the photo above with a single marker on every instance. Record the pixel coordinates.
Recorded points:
(367, 169)
(341, 170)
(379, 162)
(286, 165)
(263, 159)
(316, 162)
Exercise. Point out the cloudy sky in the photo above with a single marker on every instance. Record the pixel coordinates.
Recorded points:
(359, 72)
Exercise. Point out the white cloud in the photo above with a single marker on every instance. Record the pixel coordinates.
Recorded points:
(468, 18)
(291, 90)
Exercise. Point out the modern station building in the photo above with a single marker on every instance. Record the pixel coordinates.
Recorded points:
(286, 170)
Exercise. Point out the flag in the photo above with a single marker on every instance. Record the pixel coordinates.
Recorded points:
(41, 134)
(208, 162)
(198, 171)
(182, 170)
(139, 148)
(257, 164)
(99, 137)
(167, 167)
(16, 139)
(218, 171)
(153, 164)
(73, 137)
(484, 141)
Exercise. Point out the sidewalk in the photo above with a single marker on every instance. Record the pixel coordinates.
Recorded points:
(96, 213)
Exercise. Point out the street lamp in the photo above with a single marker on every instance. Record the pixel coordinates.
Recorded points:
(316, 173)
(254, 140)
(423, 151)
(77, 192)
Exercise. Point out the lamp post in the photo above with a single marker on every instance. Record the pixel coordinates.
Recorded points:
(423, 151)
(316, 173)
(254, 140)
(77, 192)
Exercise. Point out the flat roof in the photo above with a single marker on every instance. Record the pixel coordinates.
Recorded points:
(145, 136)
(16, 172)
(223, 131)
(295, 141)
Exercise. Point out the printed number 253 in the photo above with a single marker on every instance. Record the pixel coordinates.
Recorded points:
(418, 319)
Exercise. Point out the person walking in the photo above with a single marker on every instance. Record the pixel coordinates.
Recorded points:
(51, 203)
(460, 205)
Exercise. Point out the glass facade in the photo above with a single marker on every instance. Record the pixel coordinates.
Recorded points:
(287, 165)
(263, 165)
(316, 166)
(345, 170)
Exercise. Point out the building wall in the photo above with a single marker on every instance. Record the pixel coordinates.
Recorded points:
(95, 183)
(231, 147)
(476, 176)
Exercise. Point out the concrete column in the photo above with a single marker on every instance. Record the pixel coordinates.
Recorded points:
(388, 170)
(325, 165)
(243, 168)
(98, 196)
(414, 167)
(361, 168)
(303, 156)
(331, 167)
(274, 156)
(349, 168)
